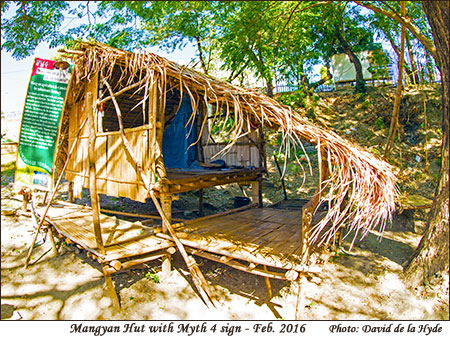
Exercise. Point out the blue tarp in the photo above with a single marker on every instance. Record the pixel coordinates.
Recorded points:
(178, 137)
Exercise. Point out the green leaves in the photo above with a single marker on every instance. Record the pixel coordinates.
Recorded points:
(32, 24)
(268, 40)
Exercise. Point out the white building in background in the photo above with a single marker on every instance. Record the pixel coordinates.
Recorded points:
(344, 72)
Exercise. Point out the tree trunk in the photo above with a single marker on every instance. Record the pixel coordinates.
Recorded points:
(329, 76)
(200, 55)
(360, 84)
(412, 61)
(269, 88)
(430, 67)
(394, 120)
(432, 254)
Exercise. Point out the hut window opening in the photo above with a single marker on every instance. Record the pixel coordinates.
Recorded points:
(130, 104)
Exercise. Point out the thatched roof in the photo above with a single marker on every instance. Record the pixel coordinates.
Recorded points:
(361, 189)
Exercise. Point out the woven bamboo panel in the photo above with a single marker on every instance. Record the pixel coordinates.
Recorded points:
(101, 163)
(113, 164)
(240, 154)
(121, 238)
(269, 236)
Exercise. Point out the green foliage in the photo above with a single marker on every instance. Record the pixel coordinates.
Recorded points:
(34, 22)
(379, 123)
(280, 40)
(323, 74)
(302, 98)
(151, 275)
(295, 99)
(378, 64)
(220, 130)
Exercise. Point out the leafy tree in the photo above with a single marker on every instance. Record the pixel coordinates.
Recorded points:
(172, 24)
(32, 24)
(432, 254)
(246, 39)
(388, 29)
(341, 30)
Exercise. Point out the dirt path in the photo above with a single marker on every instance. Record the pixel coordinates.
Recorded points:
(364, 285)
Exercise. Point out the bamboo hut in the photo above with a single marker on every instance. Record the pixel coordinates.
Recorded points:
(139, 126)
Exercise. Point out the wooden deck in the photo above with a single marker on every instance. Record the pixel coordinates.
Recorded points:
(264, 236)
(250, 240)
(121, 239)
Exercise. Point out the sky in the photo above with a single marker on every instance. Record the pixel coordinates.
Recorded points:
(15, 75)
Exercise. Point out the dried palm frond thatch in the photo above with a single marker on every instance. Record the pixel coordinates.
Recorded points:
(360, 190)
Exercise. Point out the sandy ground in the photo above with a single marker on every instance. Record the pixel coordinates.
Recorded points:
(365, 285)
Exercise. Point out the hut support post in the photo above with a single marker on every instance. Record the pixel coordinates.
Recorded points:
(70, 192)
(269, 287)
(200, 202)
(52, 240)
(300, 297)
(309, 208)
(26, 195)
(94, 198)
(257, 193)
(166, 205)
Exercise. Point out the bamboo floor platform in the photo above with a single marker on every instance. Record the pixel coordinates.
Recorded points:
(266, 237)
(121, 239)
(263, 236)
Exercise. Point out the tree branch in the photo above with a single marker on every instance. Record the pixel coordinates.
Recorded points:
(407, 23)
(292, 13)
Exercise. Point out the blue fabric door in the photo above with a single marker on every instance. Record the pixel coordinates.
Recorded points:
(178, 137)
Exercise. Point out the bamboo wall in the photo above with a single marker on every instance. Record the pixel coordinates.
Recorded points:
(116, 174)
(241, 154)
(247, 151)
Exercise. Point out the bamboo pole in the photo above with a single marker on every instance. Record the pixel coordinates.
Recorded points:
(267, 280)
(166, 204)
(200, 201)
(95, 201)
(281, 176)
(246, 256)
(300, 305)
(220, 214)
(130, 214)
(229, 261)
(394, 120)
(54, 192)
(92, 175)
(309, 208)
(197, 276)
(35, 219)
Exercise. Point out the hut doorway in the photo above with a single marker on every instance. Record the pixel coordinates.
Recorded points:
(180, 135)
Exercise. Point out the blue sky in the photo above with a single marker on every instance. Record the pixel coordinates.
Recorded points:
(15, 75)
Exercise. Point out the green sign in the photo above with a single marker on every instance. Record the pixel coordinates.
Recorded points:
(40, 124)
